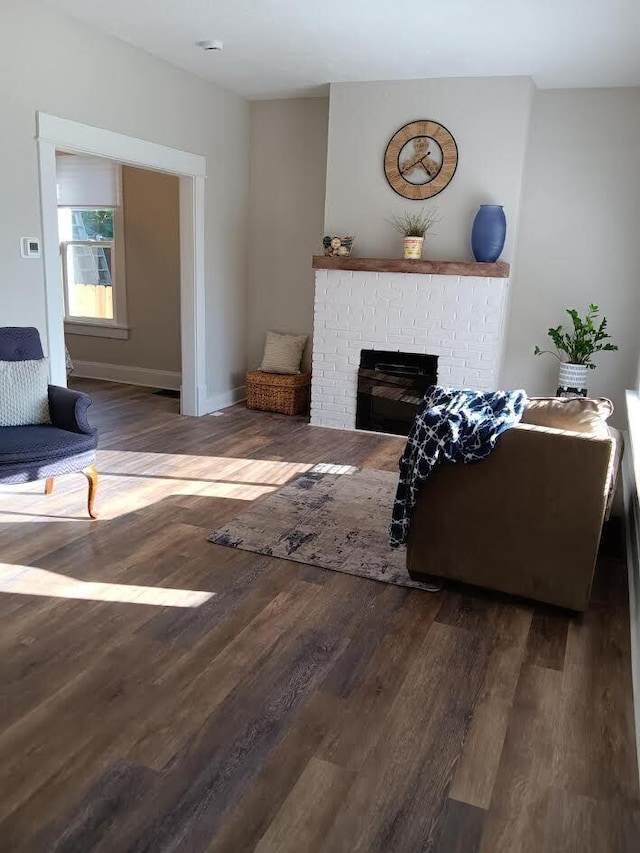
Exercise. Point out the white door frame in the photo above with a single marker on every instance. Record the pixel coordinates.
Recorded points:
(58, 133)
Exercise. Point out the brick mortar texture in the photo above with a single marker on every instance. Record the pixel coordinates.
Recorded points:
(460, 319)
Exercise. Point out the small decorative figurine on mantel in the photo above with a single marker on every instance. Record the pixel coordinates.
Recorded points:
(339, 247)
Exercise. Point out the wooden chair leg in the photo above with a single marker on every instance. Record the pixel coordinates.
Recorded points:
(48, 486)
(92, 476)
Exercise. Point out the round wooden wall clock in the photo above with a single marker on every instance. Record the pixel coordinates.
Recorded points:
(420, 160)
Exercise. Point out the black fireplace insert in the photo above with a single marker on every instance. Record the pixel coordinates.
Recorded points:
(391, 386)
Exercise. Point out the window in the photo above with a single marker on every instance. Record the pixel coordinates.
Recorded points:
(91, 246)
(87, 246)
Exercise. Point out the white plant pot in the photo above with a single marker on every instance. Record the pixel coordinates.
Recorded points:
(572, 380)
(413, 248)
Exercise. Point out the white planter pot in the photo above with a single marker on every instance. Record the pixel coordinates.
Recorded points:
(572, 380)
(413, 248)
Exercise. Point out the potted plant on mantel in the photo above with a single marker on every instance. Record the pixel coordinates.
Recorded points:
(578, 345)
(413, 227)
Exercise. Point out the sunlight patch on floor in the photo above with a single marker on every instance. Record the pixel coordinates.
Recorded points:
(238, 470)
(330, 468)
(29, 580)
(130, 481)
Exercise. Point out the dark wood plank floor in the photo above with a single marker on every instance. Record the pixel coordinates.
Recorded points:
(293, 710)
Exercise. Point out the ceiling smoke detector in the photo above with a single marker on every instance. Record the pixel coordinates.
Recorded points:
(210, 44)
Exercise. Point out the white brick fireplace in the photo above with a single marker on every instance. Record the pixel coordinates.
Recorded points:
(458, 317)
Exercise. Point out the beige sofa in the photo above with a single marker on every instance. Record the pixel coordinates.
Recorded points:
(527, 519)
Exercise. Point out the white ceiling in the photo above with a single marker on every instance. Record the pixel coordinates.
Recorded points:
(279, 48)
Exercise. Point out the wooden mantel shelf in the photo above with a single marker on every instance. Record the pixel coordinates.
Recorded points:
(497, 270)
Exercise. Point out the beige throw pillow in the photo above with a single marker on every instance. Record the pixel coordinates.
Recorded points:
(24, 397)
(577, 414)
(283, 353)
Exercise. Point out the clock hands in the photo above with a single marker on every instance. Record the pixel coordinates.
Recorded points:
(421, 159)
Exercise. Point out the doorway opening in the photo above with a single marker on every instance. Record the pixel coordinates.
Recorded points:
(58, 136)
(119, 237)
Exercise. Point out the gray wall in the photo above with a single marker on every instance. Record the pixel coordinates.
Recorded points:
(579, 235)
(288, 167)
(488, 118)
(51, 63)
(566, 165)
(580, 228)
(151, 207)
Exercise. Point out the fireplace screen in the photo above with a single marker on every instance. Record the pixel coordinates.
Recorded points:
(391, 386)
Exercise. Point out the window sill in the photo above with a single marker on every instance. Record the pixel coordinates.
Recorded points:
(96, 330)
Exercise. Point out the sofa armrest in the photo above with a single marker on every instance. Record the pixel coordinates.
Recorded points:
(68, 409)
(566, 454)
(525, 520)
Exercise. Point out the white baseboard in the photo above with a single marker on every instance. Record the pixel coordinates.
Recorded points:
(128, 375)
(154, 379)
(223, 399)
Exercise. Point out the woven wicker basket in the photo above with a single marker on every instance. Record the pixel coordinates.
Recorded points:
(276, 392)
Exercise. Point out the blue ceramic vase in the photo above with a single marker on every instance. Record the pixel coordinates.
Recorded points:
(488, 233)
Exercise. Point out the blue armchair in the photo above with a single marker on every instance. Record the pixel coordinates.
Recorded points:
(45, 451)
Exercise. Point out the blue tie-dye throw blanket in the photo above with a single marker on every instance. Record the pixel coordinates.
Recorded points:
(450, 426)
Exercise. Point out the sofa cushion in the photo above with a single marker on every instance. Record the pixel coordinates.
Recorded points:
(24, 397)
(575, 414)
(33, 444)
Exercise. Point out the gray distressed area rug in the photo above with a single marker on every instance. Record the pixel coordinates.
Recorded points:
(335, 521)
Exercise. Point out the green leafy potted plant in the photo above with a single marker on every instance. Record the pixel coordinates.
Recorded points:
(575, 348)
(413, 227)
